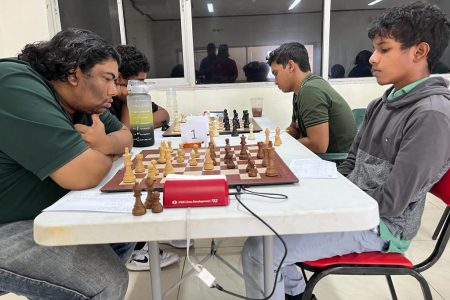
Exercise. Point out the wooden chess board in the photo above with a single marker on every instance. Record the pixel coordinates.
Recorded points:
(237, 176)
(256, 128)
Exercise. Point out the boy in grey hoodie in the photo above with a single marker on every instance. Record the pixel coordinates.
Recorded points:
(400, 152)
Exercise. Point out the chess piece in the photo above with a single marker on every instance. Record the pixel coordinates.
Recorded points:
(230, 162)
(153, 162)
(149, 187)
(235, 127)
(162, 155)
(139, 208)
(260, 154)
(211, 137)
(208, 164)
(246, 119)
(168, 168)
(140, 168)
(128, 175)
(265, 157)
(151, 171)
(212, 149)
(176, 124)
(180, 154)
(216, 126)
(243, 154)
(271, 171)
(267, 133)
(164, 125)
(192, 160)
(183, 118)
(252, 172)
(169, 146)
(195, 150)
(156, 205)
(278, 141)
(163, 144)
(251, 135)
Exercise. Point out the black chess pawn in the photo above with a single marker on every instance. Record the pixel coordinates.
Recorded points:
(164, 125)
(234, 132)
(246, 119)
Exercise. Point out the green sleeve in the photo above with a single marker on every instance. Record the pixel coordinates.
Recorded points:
(110, 121)
(313, 106)
(39, 136)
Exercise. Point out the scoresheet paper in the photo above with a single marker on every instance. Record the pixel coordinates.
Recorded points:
(313, 168)
(94, 200)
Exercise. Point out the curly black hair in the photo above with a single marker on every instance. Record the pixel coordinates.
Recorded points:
(133, 61)
(412, 24)
(68, 49)
(290, 51)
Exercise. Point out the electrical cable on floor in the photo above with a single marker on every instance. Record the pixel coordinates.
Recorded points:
(268, 195)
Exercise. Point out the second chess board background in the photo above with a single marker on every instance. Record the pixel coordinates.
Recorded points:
(256, 128)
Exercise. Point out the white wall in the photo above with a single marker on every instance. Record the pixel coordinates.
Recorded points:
(22, 22)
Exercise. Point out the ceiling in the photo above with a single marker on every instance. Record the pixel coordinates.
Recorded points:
(169, 9)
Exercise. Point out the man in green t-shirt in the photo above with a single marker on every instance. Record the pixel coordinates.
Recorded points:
(57, 135)
(321, 119)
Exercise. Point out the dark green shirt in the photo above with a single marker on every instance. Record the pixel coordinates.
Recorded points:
(316, 103)
(36, 138)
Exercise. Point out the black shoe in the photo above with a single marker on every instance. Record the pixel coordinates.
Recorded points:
(298, 297)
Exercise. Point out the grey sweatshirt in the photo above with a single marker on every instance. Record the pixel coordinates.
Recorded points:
(401, 151)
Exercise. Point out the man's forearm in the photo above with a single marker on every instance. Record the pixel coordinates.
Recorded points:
(118, 140)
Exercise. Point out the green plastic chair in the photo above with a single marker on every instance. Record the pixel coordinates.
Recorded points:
(358, 115)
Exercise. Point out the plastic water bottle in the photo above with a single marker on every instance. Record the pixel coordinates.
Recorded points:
(139, 104)
(171, 103)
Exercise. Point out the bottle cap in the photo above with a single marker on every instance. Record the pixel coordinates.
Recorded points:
(138, 87)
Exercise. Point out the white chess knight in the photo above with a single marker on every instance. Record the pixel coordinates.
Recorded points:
(251, 135)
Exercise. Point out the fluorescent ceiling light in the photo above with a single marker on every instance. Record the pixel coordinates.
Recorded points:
(374, 2)
(210, 7)
(294, 4)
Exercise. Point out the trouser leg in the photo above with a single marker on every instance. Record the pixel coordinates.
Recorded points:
(300, 248)
(69, 272)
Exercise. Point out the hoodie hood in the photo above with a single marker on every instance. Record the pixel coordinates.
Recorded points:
(431, 86)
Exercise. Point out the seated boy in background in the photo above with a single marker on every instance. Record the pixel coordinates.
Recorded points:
(134, 66)
(321, 119)
(399, 153)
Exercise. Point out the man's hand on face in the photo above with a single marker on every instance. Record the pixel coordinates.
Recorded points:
(95, 135)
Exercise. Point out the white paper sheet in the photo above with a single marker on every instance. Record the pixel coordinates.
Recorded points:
(313, 168)
(94, 200)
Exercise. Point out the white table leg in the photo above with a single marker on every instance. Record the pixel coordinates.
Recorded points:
(269, 275)
(155, 270)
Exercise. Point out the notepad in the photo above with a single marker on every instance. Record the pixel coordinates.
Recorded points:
(313, 168)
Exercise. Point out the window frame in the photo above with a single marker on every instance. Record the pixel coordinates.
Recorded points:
(188, 81)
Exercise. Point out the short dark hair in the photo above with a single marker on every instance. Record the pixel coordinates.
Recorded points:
(133, 61)
(67, 50)
(412, 24)
(290, 51)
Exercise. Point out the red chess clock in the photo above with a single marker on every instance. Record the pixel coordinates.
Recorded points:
(195, 191)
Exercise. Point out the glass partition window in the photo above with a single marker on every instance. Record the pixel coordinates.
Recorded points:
(350, 48)
(239, 34)
(154, 27)
(176, 35)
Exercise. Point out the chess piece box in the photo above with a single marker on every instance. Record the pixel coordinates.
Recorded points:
(195, 191)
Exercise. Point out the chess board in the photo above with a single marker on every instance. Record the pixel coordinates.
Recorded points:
(256, 128)
(237, 176)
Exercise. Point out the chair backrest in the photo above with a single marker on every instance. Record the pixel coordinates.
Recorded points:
(358, 114)
(442, 188)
